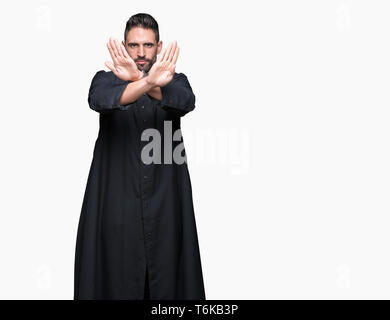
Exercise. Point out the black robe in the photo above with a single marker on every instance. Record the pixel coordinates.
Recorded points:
(137, 231)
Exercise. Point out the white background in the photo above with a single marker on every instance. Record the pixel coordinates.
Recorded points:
(288, 146)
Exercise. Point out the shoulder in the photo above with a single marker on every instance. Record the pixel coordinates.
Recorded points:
(104, 74)
(180, 78)
(100, 75)
(179, 75)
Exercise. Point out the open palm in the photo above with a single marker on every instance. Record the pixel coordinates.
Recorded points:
(163, 69)
(123, 66)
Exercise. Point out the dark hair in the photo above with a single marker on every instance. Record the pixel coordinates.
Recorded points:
(145, 21)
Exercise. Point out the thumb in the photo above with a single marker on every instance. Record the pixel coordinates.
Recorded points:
(110, 66)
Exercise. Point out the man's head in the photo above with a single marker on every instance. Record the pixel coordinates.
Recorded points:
(142, 40)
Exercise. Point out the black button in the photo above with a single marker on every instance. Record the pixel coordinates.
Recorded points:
(143, 107)
(145, 177)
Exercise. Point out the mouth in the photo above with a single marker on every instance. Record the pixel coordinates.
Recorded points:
(141, 61)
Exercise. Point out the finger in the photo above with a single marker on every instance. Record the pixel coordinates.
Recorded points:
(173, 48)
(166, 55)
(110, 50)
(176, 55)
(169, 52)
(113, 47)
(125, 53)
(162, 54)
(109, 65)
(114, 59)
(117, 46)
(172, 51)
(112, 68)
(172, 68)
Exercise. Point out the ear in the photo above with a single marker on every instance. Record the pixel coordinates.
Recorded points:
(159, 46)
(123, 43)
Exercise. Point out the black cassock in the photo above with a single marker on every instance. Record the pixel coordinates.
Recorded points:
(137, 231)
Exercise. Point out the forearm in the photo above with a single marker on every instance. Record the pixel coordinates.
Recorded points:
(134, 90)
(155, 93)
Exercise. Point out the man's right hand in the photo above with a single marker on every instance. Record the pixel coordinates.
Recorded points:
(124, 66)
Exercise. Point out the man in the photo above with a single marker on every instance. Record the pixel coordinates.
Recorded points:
(137, 236)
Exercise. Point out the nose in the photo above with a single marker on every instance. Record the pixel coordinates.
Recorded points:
(141, 51)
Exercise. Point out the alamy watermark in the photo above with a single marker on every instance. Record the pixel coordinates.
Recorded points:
(231, 148)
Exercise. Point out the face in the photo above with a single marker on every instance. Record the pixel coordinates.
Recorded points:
(142, 47)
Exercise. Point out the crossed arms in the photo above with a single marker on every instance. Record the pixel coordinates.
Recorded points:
(124, 67)
(137, 88)
(108, 92)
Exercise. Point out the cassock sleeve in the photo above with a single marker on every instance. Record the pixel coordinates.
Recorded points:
(177, 96)
(105, 92)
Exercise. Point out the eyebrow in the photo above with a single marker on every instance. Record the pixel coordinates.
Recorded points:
(131, 43)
